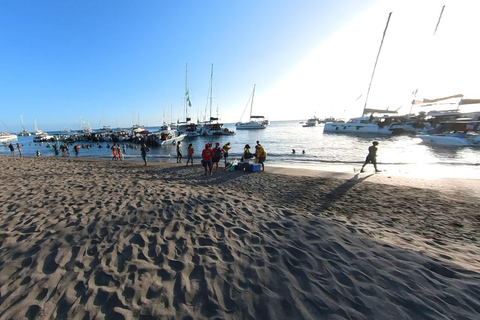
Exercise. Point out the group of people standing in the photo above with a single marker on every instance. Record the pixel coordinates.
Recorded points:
(12, 149)
(212, 156)
(117, 152)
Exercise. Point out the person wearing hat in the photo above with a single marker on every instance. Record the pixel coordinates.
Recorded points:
(207, 158)
(372, 157)
(261, 154)
(226, 148)
(247, 155)
(217, 153)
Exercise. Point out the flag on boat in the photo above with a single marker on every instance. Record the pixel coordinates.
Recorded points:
(187, 96)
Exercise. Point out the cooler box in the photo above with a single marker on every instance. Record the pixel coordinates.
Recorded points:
(255, 167)
(240, 166)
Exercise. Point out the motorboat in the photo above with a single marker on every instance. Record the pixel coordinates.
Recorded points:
(170, 137)
(458, 133)
(7, 136)
(43, 137)
(312, 122)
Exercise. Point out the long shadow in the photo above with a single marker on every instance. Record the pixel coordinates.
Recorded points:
(197, 175)
(338, 193)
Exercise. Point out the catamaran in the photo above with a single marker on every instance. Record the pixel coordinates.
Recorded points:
(255, 122)
(213, 126)
(365, 124)
(189, 128)
(24, 133)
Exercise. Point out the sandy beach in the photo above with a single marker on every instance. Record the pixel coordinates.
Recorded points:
(91, 239)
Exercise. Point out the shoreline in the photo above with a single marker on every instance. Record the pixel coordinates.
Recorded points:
(84, 237)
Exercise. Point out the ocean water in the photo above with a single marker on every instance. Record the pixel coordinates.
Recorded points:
(397, 155)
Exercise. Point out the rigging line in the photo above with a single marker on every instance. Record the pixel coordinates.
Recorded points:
(438, 22)
(376, 61)
(246, 106)
(5, 125)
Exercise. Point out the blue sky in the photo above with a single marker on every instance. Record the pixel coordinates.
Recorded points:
(64, 60)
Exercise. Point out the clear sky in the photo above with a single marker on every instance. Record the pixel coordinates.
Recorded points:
(101, 60)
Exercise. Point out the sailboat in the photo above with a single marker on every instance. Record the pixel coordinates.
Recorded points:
(366, 124)
(24, 133)
(85, 126)
(191, 129)
(256, 122)
(37, 132)
(213, 126)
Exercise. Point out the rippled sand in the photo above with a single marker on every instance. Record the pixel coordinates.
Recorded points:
(84, 239)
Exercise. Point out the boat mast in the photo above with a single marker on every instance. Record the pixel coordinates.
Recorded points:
(251, 104)
(211, 81)
(376, 61)
(23, 124)
(187, 94)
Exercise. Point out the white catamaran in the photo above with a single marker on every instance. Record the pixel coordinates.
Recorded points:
(255, 122)
(365, 124)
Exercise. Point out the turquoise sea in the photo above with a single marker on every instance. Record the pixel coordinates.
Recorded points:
(397, 155)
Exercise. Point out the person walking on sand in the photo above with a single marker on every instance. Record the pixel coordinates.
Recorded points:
(12, 149)
(261, 154)
(38, 153)
(19, 147)
(190, 151)
(371, 157)
(144, 150)
(226, 149)
(216, 155)
(179, 152)
(207, 158)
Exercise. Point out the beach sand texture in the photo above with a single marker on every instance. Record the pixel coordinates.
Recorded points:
(86, 239)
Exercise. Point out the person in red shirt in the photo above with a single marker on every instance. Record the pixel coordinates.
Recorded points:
(207, 158)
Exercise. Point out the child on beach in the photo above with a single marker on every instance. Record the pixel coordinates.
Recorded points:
(12, 149)
(190, 151)
(19, 147)
(114, 150)
(38, 153)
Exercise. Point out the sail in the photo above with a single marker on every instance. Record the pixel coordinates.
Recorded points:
(421, 101)
(469, 101)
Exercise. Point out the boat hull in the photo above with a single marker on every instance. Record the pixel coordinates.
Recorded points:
(252, 125)
(450, 140)
(355, 128)
(173, 140)
(7, 137)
